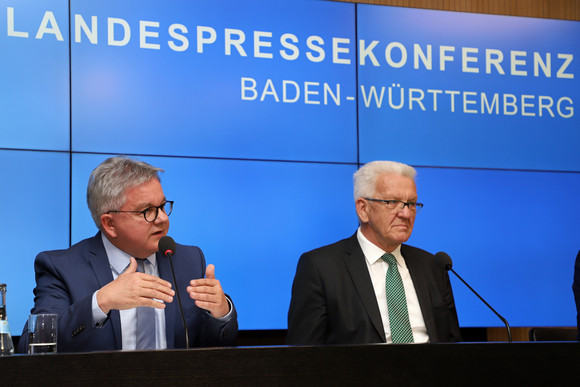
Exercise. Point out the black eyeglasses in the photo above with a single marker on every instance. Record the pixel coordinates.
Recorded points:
(398, 204)
(150, 213)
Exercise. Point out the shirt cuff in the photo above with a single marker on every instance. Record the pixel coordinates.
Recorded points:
(98, 316)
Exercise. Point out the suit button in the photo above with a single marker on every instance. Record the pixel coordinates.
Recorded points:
(225, 333)
(79, 330)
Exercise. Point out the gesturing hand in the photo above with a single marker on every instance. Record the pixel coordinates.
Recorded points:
(132, 289)
(208, 294)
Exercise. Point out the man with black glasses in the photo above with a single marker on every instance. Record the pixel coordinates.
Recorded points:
(114, 290)
(372, 288)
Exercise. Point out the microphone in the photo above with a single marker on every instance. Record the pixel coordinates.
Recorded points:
(444, 260)
(167, 248)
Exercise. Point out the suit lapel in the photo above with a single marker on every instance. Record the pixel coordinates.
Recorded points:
(170, 309)
(97, 257)
(355, 262)
(421, 285)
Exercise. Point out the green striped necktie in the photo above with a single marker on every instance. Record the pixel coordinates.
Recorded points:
(397, 303)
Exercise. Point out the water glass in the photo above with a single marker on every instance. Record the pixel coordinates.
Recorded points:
(42, 333)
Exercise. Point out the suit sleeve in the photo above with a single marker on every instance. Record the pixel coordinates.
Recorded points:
(76, 331)
(454, 332)
(307, 315)
(220, 332)
(443, 304)
(576, 289)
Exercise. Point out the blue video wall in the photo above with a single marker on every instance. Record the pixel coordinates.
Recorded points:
(261, 111)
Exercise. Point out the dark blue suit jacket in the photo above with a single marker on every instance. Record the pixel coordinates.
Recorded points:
(67, 279)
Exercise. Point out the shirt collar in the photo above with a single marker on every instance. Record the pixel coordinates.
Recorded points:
(118, 259)
(373, 253)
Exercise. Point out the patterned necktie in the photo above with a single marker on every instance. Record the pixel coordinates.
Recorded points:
(145, 319)
(397, 303)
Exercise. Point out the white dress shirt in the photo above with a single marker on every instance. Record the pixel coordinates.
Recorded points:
(378, 272)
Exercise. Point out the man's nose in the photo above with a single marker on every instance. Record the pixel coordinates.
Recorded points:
(161, 217)
(405, 212)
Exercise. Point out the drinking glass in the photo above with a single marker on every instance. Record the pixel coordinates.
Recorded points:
(42, 333)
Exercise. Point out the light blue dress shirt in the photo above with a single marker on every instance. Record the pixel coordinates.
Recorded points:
(119, 261)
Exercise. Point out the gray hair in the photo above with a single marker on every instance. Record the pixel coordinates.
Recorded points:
(110, 181)
(365, 178)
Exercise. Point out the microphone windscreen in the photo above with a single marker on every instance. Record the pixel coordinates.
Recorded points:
(444, 260)
(167, 245)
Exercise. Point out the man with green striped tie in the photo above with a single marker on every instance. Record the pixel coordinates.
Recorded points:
(371, 287)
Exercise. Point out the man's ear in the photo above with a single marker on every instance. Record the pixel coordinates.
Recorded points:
(108, 225)
(362, 208)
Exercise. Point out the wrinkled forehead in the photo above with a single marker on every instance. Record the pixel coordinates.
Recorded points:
(392, 184)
